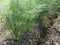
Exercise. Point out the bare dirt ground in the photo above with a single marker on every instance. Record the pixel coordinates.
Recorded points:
(53, 37)
(4, 34)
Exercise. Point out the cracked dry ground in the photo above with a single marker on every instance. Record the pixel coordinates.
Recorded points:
(32, 37)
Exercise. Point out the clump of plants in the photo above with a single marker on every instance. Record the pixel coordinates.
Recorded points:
(23, 14)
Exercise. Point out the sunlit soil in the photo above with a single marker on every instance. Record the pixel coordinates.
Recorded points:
(4, 35)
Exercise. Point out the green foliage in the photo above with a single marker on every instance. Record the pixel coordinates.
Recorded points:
(22, 14)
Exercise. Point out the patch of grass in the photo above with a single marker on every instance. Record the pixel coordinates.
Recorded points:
(22, 14)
